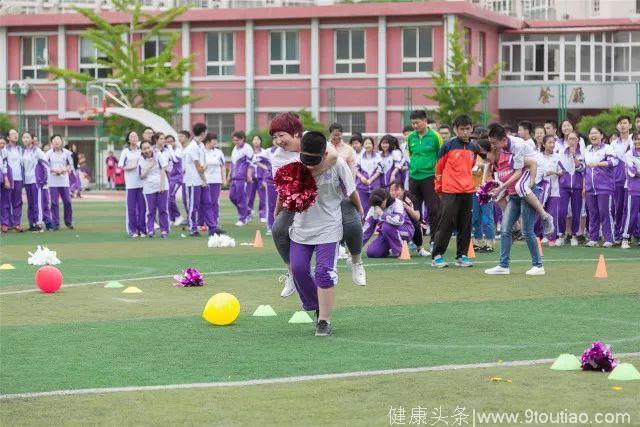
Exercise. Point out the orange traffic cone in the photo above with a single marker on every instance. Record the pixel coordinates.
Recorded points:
(471, 253)
(405, 255)
(601, 269)
(539, 246)
(257, 243)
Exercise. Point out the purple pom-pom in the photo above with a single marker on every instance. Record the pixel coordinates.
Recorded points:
(483, 192)
(190, 277)
(598, 357)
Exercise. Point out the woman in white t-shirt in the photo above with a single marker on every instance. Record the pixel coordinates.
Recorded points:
(135, 204)
(152, 168)
(319, 230)
(216, 174)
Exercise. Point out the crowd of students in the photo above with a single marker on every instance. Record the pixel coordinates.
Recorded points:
(47, 175)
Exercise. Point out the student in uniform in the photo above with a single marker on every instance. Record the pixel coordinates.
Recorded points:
(241, 176)
(153, 174)
(319, 230)
(387, 215)
(60, 167)
(216, 176)
(135, 203)
(368, 172)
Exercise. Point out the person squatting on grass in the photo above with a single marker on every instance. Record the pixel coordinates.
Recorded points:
(387, 215)
(319, 229)
(286, 131)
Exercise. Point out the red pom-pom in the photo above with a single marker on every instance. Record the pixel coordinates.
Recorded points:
(296, 187)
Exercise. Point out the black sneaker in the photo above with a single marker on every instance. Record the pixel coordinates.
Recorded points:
(34, 228)
(217, 231)
(70, 226)
(323, 328)
(194, 234)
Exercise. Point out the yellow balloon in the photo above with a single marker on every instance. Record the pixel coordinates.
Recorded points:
(221, 309)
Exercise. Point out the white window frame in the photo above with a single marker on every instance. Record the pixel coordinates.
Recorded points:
(417, 59)
(218, 126)
(35, 67)
(283, 49)
(220, 64)
(350, 62)
(348, 124)
(92, 66)
(156, 40)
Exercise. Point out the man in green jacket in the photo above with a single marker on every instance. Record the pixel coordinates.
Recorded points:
(423, 145)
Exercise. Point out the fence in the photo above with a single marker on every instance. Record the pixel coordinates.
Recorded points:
(46, 108)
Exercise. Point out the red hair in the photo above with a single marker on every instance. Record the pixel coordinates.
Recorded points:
(286, 122)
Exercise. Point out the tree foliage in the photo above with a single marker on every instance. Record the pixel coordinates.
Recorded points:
(453, 92)
(6, 123)
(149, 83)
(605, 120)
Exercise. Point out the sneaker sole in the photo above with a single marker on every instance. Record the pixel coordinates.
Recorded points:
(288, 295)
(439, 266)
(463, 265)
(323, 335)
(502, 273)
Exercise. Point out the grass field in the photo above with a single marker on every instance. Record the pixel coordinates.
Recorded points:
(409, 316)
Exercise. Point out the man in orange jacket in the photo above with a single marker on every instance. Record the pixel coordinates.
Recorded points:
(454, 182)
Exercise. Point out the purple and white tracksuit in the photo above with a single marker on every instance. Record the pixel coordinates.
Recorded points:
(631, 218)
(600, 186)
(155, 190)
(5, 193)
(198, 195)
(135, 204)
(388, 164)
(256, 186)
(394, 226)
(35, 179)
(549, 194)
(241, 158)
(175, 184)
(214, 167)
(367, 166)
(571, 185)
(620, 148)
(60, 160)
(271, 194)
(13, 204)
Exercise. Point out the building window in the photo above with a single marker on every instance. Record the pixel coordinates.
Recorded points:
(352, 122)
(637, 6)
(89, 56)
(33, 125)
(154, 47)
(220, 54)
(501, 6)
(467, 41)
(482, 41)
(284, 52)
(596, 6)
(34, 57)
(350, 47)
(417, 49)
(539, 9)
(221, 124)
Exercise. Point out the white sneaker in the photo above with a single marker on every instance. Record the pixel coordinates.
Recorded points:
(592, 244)
(497, 270)
(240, 223)
(156, 226)
(535, 271)
(560, 241)
(607, 245)
(625, 244)
(263, 219)
(289, 285)
(544, 241)
(547, 224)
(268, 233)
(424, 253)
(358, 275)
(178, 221)
(574, 241)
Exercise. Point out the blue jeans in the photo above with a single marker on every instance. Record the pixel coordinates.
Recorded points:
(517, 207)
(482, 220)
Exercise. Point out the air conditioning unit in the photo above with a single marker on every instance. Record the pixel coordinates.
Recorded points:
(20, 88)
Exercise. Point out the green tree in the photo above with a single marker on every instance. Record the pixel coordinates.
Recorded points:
(605, 120)
(148, 83)
(6, 123)
(453, 92)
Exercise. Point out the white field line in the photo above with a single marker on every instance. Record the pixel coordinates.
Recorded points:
(280, 269)
(284, 380)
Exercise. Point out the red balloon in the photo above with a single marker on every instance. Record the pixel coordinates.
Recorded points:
(48, 279)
